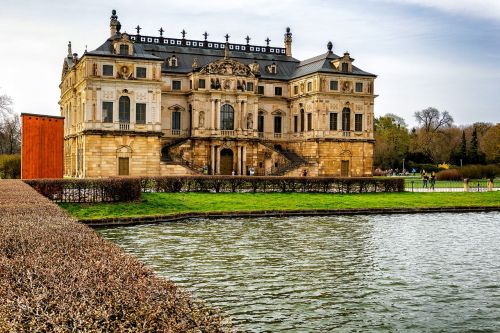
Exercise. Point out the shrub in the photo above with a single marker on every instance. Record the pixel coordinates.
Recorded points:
(451, 174)
(477, 171)
(129, 189)
(88, 190)
(57, 275)
(10, 166)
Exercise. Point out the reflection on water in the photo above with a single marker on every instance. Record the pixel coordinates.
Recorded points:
(386, 273)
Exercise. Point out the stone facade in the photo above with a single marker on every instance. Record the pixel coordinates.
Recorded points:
(148, 106)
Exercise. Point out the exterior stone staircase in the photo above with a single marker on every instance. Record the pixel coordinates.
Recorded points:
(294, 160)
(168, 157)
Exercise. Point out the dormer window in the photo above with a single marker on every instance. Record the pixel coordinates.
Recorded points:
(345, 67)
(272, 69)
(172, 61)
(124, 49)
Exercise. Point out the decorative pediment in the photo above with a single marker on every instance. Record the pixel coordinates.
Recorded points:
(227, 67)
(278, 112)
(176, 107)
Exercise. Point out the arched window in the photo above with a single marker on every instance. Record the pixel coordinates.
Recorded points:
(124, 109)
(346, 119)
(226, 117)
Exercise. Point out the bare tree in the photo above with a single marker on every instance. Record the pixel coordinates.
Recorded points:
(432, 120)
(10, 135)
(5, 106)
(10, 127)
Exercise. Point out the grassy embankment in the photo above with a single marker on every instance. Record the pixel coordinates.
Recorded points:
(154, 204)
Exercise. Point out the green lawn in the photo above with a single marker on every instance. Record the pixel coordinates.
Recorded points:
(171, 203)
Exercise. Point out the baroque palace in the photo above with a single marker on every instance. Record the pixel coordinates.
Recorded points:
(154, 105)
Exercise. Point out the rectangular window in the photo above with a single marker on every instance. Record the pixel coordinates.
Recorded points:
(295, 90)
(249, 86)
(345, 67)
(359, 86)
(124, 49)
(190, 84)
(260, 90)
(309, 121)
(107, 70)
(309, 86)
(333, 121)
(277, 124)
(260, 123)
(140, 72)
(176, 120)
(107, 112)
(140, 113)
(176, 85)
(334, 85)
(358, 122)
(201, 84)
(295, 123)
(278, 91)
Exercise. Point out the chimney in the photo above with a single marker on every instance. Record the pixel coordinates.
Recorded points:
(288, 42)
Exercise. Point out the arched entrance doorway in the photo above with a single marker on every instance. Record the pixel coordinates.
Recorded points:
(226, 161)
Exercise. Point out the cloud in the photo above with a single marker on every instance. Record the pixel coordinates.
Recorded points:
(489, 9)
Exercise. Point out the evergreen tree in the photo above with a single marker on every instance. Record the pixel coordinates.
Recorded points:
(463, 148)
(473, 152)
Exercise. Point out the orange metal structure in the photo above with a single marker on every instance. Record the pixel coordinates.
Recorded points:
(42, 146)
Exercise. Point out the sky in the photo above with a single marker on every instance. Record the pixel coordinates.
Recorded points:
(439, 53)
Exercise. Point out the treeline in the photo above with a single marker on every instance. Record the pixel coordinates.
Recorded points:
(436, 140)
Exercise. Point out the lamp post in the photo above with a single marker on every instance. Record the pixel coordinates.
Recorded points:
(460, 163)
(403, 167)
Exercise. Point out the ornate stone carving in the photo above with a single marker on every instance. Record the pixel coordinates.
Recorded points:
(125, 73)
(249, 121)
(227, 67)
(254, 67)
(201, 120)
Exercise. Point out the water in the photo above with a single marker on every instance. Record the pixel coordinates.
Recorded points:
(385, 273)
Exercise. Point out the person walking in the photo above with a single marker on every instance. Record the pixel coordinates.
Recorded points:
(425, 177)
(433, 180)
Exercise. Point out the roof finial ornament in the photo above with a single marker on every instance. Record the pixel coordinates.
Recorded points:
(161, 31)
(114, 24)
(183, 33)
(226, 50)
(205, 35)
(227, 37)
(70, 53)
(267, 41)
(329, 46)
(138, 28)
(248, 40)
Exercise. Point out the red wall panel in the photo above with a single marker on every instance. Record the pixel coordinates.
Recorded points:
(42, 146)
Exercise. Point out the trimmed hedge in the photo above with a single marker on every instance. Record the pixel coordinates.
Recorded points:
(88, 190)
(129, 189)
(58, 275)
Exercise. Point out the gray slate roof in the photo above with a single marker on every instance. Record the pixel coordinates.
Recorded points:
(287, 67)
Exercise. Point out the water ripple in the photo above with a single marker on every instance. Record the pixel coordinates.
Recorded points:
(386, 273)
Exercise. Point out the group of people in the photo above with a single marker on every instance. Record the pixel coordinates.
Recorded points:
(428, 179)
